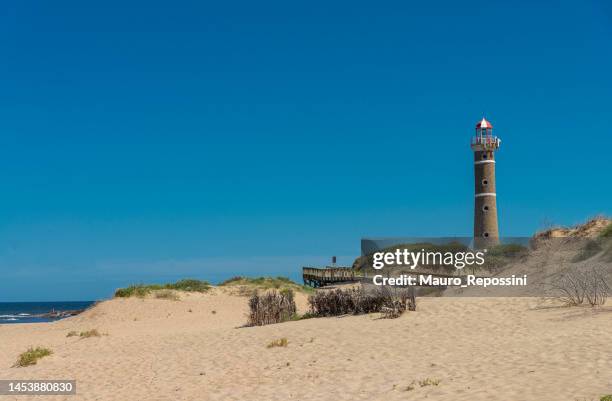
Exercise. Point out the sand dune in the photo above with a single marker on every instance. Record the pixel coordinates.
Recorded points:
(477, 348)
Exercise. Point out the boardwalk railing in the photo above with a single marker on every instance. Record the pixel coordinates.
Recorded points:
(319, 277)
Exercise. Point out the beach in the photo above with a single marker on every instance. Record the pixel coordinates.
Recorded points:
(196, 349)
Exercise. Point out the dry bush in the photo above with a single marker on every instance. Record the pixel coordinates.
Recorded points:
(271, 307)
(343, 302)
(355, 301)
(570, 289)
(597, 288)
(397, 301)
(576, 287)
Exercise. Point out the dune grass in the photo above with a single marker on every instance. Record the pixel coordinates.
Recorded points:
(90, 333)
(606, 233)
(429, 382)
(266, 283)
(142, 290)
(31, 356)
(281, 342)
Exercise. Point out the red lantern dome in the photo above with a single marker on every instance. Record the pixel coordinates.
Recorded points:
(484, 124)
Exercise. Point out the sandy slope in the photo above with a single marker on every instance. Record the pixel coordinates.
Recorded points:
(480, 349)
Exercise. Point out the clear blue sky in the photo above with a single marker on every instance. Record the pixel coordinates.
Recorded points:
(148, 141)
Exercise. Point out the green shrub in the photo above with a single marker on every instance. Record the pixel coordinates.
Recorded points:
(31, 356)
(189, 285)
(136, 290)
(606, 397)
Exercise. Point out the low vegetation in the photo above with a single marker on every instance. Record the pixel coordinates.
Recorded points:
(170, 295)
(31, 356)
(72, 334)
(142, 290)
(281, 342)
(607, 233)
(90, 333)
(271, 307)
(265, 283)
(422, 383)
(429, 382)
(590, 249)
(500, 255)
(354, 301)
(606, 397)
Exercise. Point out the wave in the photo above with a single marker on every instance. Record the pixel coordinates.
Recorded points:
(9, 320)
(24, 314)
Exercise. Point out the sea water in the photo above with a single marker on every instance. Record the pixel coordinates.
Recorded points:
(26, 312)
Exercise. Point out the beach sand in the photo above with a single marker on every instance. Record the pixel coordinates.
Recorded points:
(508, 349)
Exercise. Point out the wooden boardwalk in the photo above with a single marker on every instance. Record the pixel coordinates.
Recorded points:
(320, 277)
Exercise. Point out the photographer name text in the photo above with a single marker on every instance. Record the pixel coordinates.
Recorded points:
(469, 280)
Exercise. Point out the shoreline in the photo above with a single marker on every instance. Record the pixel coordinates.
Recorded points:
(41, 312)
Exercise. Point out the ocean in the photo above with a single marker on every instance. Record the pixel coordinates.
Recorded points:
(29, 312)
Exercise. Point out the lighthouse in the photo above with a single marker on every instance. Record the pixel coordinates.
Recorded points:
(484, 145)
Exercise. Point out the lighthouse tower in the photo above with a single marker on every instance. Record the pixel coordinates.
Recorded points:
(484, 145)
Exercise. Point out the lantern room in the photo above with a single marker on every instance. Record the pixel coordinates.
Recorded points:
(484, 128)
(483, 139)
